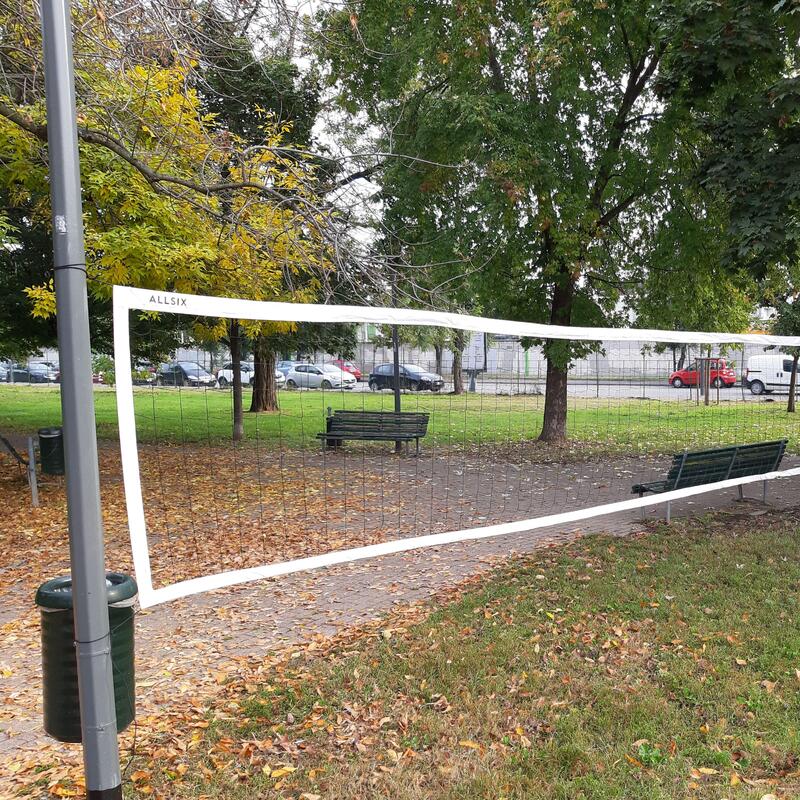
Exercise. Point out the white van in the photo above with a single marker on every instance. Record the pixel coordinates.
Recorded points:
(769, 373)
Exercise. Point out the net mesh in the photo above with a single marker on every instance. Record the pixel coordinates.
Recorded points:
(333, 467)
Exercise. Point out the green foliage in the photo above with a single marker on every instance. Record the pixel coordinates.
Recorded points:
(240, 89)
(140, 231)
(104, 365)
(736, 68)
(787, 323)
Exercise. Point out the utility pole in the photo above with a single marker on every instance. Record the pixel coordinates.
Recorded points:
(87, 557)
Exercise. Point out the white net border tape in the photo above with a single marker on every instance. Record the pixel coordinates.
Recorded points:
(126, 298)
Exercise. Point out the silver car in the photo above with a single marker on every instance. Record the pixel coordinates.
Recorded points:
(248, 372)
(319, 376)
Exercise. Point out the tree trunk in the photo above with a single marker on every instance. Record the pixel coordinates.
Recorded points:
(682, 359)
(793, 383)
(439, 350)
(554, 424)
(459, 341)
(235, 340)
(265, 391)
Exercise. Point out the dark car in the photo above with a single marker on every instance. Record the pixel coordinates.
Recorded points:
(411, 377)
(184, 373)
(38, 372)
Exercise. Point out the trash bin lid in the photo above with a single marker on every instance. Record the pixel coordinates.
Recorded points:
(48, 432)
(57, 592)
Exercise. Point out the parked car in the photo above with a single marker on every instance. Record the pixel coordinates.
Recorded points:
(285, 367)
(184, 373)
(348, 366)
(316, 376)
(225, 375)
(721, 375)
(248, 371)
(768, 373)
(411, 377)
(5, 366)
(35, 372)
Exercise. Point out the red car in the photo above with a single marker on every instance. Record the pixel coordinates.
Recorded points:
(348, 366)
(721, 375)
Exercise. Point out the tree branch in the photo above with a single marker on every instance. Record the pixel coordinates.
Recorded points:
(617, 209)
(152, 176)
(641, 73)
(367, 172)
(497, 82)
(627, 43)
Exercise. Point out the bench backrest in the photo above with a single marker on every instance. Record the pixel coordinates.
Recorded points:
(709, 466)
(755, 459)
(408, 422)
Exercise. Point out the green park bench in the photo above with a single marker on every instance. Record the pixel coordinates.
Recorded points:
(723, 463)
(380, 426)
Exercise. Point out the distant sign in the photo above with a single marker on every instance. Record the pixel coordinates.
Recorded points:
(475, 353)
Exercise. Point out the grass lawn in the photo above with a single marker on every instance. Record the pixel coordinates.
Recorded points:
(653, 668)
(605, 425)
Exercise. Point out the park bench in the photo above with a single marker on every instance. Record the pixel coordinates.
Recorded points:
(709, 466)
(29, 465)
(379, 426)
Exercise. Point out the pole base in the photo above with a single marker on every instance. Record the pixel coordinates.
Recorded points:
(114, 793)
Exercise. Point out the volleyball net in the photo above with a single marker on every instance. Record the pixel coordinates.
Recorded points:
(476, 428)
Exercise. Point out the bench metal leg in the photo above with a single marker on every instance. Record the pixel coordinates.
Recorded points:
(417, 441)
(669, 512)
(741, 491)
(764, 492)
(31, 470)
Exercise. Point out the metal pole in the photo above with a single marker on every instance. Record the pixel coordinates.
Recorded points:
(398, 446)
(644, 369)
(87, 557)
(32, 473)
(597, 373)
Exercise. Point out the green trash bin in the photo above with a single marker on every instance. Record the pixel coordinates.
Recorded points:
(51, 450)
(62, 715)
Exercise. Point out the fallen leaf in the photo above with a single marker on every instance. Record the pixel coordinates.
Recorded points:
(471, 745)
(282, 772)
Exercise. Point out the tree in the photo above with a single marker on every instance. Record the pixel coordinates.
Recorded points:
(787, 323)
(255, 230)
(529, 140)
(239, 89)
(25, 262)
